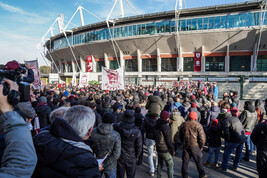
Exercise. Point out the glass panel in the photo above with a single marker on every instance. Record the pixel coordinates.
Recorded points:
(70, 68)
(131, 65)
(138, 29)
(134, 30)
(99, 65)
(240, 63)
(114, 64)
(242, 20)
(144, 29)
(229, 21)
(173, 26)
(199, 23)
(149, 65)
(256, 18)
(126, 31)
(249, 20)
(223, 22)
(217, 22)
(188, 24)
(167, 26)
(211, 22)
(262, 63)
(188, 64)
(130, 30)
(168, 64)
(205, 23)
(216, 63)
(235, 20)
(194, 24)
(182, 25)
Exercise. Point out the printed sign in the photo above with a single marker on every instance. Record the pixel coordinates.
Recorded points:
(197, 62)
(89, 64)
(35, 67)
(84, 79)
(113, 79)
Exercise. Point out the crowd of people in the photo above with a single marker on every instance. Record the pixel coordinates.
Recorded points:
(89, 132)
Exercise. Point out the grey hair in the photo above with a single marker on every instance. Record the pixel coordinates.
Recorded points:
(80, 118)
(59, 112)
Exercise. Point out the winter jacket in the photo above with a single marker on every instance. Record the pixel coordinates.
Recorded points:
(19, 156)
(233, 130)
(222, 116)
(106, 142)
(216, 91)
(195, 110)
(235, 100)
(249, 118)
(30, 77)
(203, 110)
(163, 137)
(214, 136)
(139, 122)
(150, 124)
(131, 140)
(62, 153)
(192, 134)
(180, 107)
(154, 105)
(43, 112)
(212, 114)
(98, 119)
(258, 136)
(176, 121)
(186, 105)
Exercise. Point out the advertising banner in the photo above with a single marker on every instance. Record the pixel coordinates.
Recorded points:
(197, 62)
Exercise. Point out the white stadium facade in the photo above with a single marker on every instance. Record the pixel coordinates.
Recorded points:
(229, 41)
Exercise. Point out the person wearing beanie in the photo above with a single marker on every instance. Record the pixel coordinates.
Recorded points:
(249, 119)
(131, 141)
(43, 112)
(193, 138)
(164, 144)
(214, 141)
(107, 142)
(154, 104)
(194, 109)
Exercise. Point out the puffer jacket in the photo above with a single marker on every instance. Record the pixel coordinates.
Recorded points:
(163, 137)
(214, 136)
(131, 140)
(106, 142)
(62, 153)
(249, 118)
(203, 114)
(192, 134)
(233, 130)
(176, 121)
(154, 105)
(212, 114)
(258, 136)
(150, 124)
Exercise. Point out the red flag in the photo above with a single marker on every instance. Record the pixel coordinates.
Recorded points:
(89, 64)
(197, 62)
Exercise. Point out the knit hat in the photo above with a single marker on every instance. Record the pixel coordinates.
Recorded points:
(164, 115)
(214, 122)
(193, 97)
(116, 106)
(108, 118)
(156, 93)
(43, 99)
(193, 105)
(12, 65)
(66, 93)
(234, 111)
(192, 115)
(128, 116)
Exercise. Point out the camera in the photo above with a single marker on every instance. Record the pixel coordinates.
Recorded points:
(15, 75)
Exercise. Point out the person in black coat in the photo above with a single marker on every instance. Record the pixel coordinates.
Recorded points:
(139, 122)
(131, 145)
(61, 151)
(214, 141)
(43, 112)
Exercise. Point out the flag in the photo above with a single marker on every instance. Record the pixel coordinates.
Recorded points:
(35, 67)
(197, 61)
(73, 81)
(84, 79)
(113, 79)
(89, 64)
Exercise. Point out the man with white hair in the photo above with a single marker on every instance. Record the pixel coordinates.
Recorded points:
(62, 152)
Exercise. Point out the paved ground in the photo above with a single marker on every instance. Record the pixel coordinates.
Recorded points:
(246, 169)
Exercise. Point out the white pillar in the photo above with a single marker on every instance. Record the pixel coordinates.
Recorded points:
(81, 16)
(94, 64)
(121, 7)
(203, 60)
(60, 66)
(139, 61)
(158, 60)
(180, 59)
(227, 59)
(83, 65)
(122, 61)
(66, 66)
(106, 60)
(73, 67)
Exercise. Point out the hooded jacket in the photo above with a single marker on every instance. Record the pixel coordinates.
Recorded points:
(249, 118)
(233, 130)
(176, 121)
(106, 141)
(214, 136)
(212, 114)
(150, 124)
(131, 140)
(62, 153)
(154, 105)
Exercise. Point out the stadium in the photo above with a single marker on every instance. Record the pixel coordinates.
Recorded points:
(223, 43)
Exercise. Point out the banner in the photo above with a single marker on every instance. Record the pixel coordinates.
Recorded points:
(35, 67)
(84, 79)
(197, 62)
(113, 79)
(73, 81)
(89, 64)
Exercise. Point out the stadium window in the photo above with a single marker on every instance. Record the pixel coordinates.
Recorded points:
(78, 66)
(126, 33)
(256, 18)
(240, 63)
(122, 34)
(182, 25)
(82, 38)
(188, 24)
(130, 31)
(215, 63)
(131, 65)
(70, 68)
(242, 20)
(249, 19)
(229, 21)
(211, 22)
(173, 26)
(99, 65)
(144, 29)
(262, 63)
(194, 24)
(167, 26)
(205, 23)
(113, 65)
(138, 29)
(188, 64)
(134, 30)
(217, 24)
(199, 23)
(63, 68)
(223, 22)
(149, 65)
(235, 20)
(168, 64)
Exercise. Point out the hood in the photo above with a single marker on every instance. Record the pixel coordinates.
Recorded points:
(160, 123)
(215, 109)
(154, 99)
(250, 108)
(126, 129)
(175, 115)
(105, 128)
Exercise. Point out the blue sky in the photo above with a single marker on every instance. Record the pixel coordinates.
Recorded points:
(24, 22)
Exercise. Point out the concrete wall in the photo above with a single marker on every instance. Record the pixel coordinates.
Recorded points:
(226, 87)
(255, 91)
